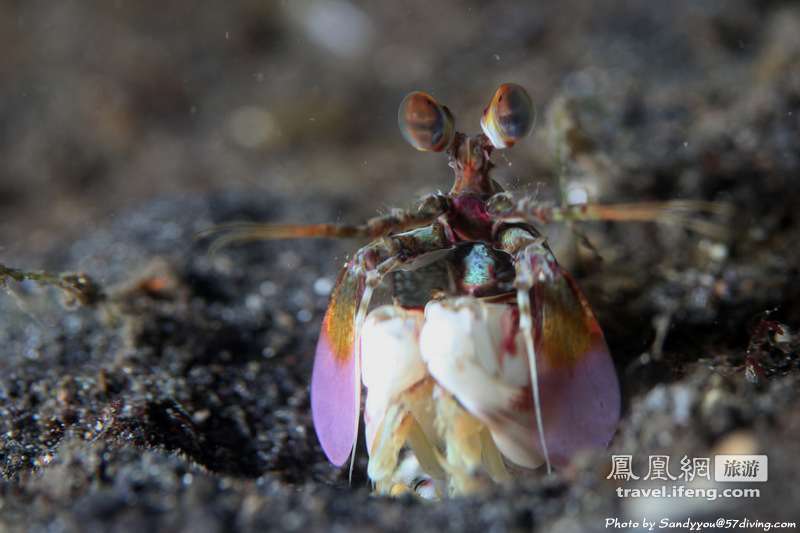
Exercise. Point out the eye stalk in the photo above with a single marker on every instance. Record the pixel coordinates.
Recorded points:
(509, 116)
(425, 123)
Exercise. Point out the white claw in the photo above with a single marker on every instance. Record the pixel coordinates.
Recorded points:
(391, 361)
(470, 331)
(472, 352)
(436, 382)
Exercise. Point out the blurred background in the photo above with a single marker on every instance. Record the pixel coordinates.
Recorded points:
(104, 105)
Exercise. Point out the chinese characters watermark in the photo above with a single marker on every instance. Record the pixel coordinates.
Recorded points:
(727, 468)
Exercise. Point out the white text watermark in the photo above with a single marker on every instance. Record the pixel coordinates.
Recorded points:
(689, 524)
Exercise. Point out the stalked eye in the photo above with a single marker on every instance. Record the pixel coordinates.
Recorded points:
(509, 116)
(425, 124)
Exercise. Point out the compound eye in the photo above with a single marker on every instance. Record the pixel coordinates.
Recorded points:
(509, 116)
(425, 124)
